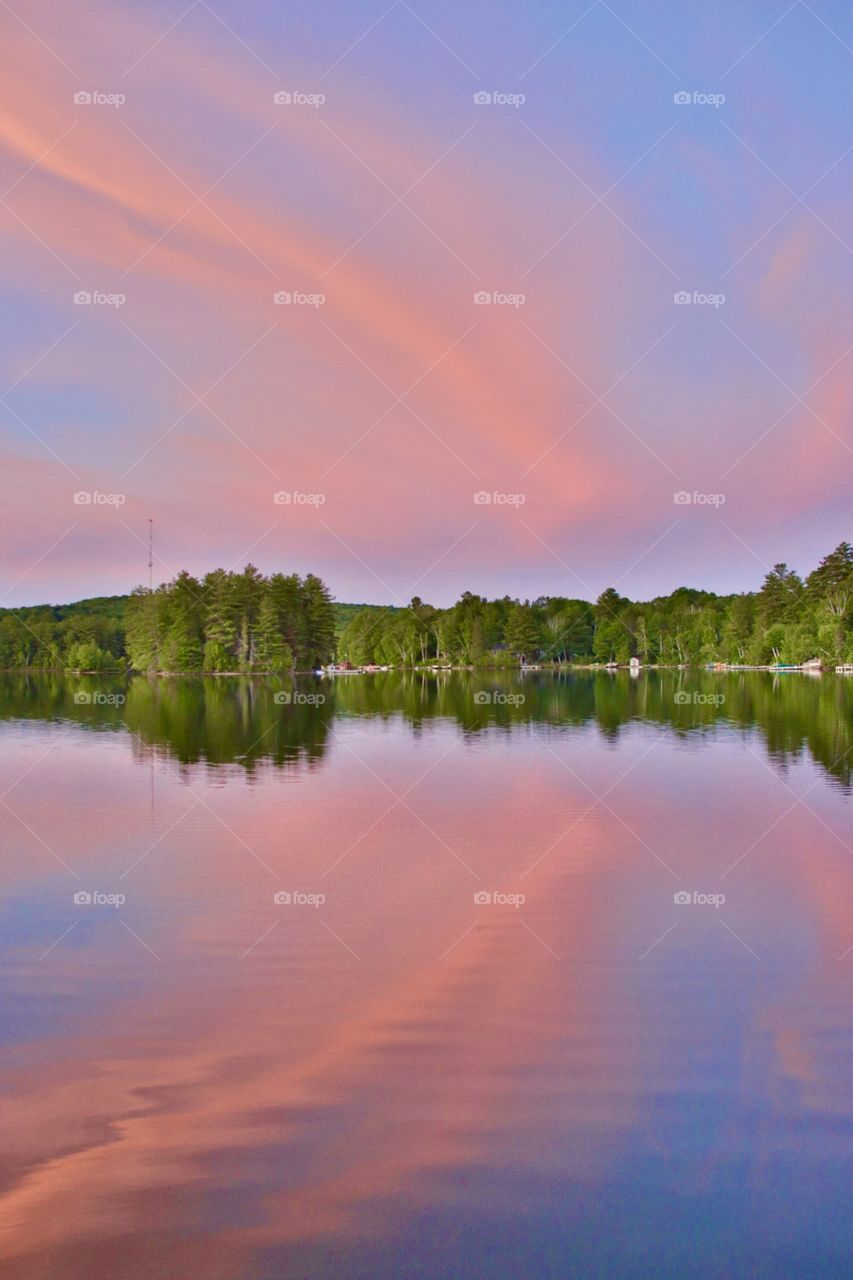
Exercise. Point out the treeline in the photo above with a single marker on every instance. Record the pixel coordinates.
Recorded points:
(788, 620)
(473, 632)
(246, 622)
(231, 622)
(240, 622)
(87, 635)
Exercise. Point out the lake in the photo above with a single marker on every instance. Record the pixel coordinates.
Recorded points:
(438, 976)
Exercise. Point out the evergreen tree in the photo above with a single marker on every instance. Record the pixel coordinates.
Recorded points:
(830, 593)
(522, 632)
(285, 591)
(220, 623)
(248, 591)
(145, 626)
(780, 596)
(318, 624)
(272, 652)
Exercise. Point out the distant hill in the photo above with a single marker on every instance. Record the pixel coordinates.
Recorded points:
(112, 608)
(345, 612)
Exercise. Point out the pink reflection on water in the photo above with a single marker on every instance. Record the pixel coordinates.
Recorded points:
(282, 1074)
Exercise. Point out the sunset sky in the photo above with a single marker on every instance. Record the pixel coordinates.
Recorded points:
(582, 198)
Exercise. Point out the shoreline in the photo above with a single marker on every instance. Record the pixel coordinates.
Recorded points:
(719, 669)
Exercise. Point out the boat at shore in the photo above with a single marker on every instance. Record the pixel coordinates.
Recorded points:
(347, 669)
(813, 667)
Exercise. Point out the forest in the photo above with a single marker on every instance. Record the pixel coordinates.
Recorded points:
(236, 622)
(789, 620)
(245, 622)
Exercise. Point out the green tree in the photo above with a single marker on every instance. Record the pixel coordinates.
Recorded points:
(780, 596)
(522, 636)
(272, 652)
(220, 621)
(829, 591)
(318, 615)
(145, 622)
(87, 655)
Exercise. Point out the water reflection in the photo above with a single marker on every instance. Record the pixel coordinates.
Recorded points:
(245, 721)
(403, 1081)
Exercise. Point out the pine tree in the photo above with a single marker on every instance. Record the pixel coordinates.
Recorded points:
(780, 596)
(220, 625)
(830, 592)
(318, 615)
(522, 633)
(285, 590)
(248, 589)
(145, 626)
(183, 644)
(834, 574)
(272, 652)
(182, 648)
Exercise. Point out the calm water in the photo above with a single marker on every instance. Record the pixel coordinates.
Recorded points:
(383, 1077)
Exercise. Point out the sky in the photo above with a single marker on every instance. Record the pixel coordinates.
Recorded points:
(517, 298)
